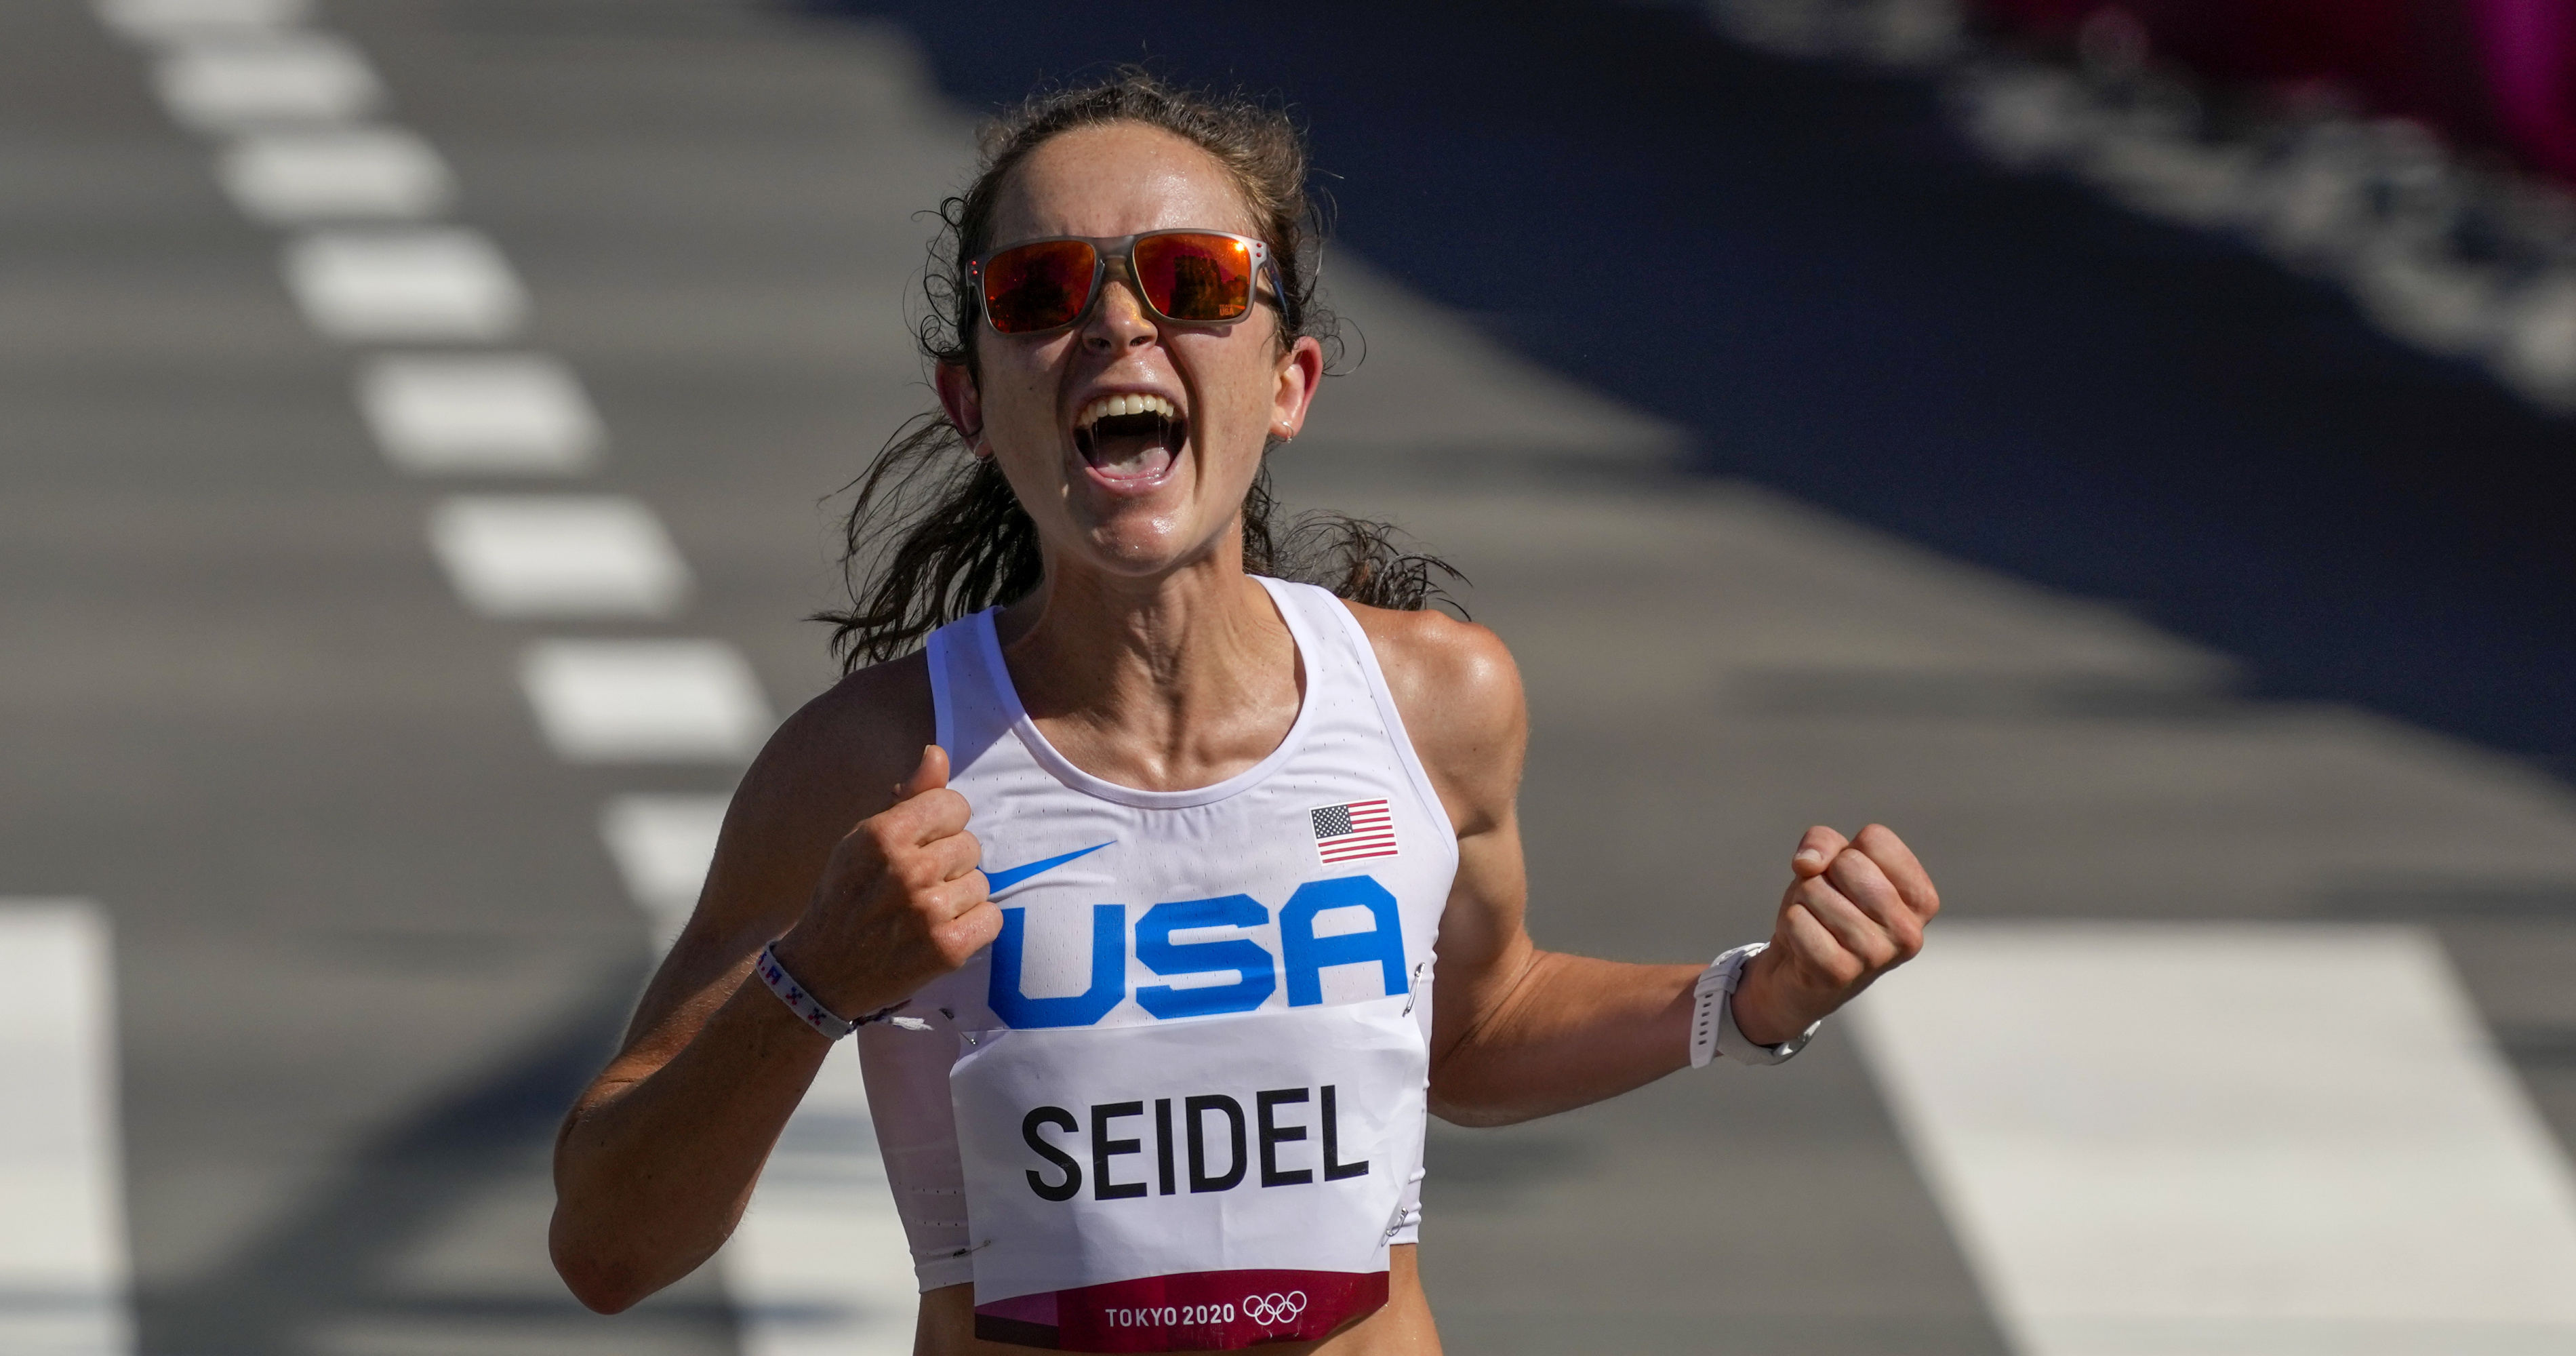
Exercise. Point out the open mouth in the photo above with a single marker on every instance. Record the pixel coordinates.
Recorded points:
(1130, 437)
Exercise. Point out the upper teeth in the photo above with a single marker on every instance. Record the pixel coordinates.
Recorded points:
(1108, 407)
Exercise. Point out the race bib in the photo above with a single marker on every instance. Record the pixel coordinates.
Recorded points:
(1188, 1186)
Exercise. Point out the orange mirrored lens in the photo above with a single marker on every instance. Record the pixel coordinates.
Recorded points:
(1038, 286)
(1192, 277)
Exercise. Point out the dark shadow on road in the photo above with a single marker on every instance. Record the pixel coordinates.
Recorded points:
(1801, 266)
(326, 1274)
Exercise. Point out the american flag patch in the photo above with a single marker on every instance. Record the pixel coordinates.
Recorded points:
(1346, 833)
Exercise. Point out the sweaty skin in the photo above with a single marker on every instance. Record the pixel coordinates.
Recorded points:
(1149, 659)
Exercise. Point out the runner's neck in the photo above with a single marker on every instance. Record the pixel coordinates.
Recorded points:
(1182, 685)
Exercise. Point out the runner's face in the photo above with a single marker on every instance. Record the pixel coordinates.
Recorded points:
(1134, 496)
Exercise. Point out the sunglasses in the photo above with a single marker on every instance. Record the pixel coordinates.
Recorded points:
(1185, 277)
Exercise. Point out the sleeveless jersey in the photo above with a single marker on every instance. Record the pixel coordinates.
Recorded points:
(1178, 1104)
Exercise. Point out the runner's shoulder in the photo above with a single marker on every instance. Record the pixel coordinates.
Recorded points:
(837, 759)
(1456, 687)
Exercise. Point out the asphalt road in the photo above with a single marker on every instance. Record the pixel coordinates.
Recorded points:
(368, 941)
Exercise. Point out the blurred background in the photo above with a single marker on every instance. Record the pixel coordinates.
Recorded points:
(2126, 448)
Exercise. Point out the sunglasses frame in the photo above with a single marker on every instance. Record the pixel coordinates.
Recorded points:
(1123, 249)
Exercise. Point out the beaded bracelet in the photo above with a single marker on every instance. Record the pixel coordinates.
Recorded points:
(831, 1024)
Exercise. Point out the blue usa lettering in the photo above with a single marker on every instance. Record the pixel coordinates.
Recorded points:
(1155, 947)
(1108, 973)
(1308, 954)
(1304, 956)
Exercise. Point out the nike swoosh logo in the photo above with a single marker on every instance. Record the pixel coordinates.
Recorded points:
(995, 882)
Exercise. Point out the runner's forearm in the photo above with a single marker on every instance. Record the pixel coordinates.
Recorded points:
(1572, 1031)
(651, 1175)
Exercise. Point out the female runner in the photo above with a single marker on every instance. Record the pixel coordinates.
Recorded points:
(1136, 885)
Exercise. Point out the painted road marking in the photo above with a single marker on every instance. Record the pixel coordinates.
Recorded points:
(819, 1265)
(285, 177)
(399, 284)
(502, 414)
(235, 83)
(662, 845)
(558, 555)
(645, 701)
(169, 20)
(2232, 1140)
(63, 1270)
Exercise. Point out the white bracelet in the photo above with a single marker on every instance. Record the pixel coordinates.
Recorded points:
(1713, 1029)
(793, 994)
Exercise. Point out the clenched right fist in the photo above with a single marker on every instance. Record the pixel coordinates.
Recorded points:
(900, 902)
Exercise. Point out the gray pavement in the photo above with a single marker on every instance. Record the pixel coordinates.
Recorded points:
(368, 941)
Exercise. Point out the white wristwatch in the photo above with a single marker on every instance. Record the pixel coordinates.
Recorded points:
(1713, 1029)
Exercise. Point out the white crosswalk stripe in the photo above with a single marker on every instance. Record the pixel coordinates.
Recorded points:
(558, 555)
(404, 284)
(479, 414)
(662, 845)
(63, 1268)
(169, 20)
(235, 83)
(2246, 1140)
(366, 172)
(645, 701)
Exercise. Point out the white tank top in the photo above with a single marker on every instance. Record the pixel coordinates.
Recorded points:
(1178, 1104)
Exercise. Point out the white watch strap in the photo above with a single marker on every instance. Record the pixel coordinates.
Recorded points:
(1713, 1029)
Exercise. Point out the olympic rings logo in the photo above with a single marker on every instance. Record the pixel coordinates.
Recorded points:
(1271, 1311)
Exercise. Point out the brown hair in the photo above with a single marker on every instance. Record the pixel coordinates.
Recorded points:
(935, 533)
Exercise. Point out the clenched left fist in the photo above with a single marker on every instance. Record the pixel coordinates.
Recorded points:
(1855, 909)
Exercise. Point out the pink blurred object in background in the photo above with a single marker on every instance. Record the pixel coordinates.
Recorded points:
(2495, 72)
(2527, 46)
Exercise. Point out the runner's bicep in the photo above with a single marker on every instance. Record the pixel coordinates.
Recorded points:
(1484, 941)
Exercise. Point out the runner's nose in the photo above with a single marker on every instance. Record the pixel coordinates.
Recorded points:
(1119, 320)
